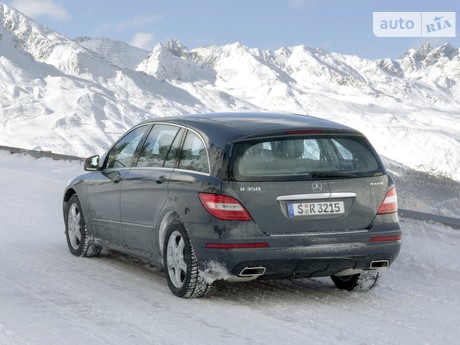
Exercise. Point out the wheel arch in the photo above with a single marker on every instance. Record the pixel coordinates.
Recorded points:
(71, 191)
(168, 218)
(67, 195)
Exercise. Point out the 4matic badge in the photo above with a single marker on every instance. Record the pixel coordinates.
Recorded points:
(250, 189)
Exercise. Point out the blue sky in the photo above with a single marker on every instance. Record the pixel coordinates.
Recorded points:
(343, 26)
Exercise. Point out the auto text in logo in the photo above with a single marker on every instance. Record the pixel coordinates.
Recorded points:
(414, 24)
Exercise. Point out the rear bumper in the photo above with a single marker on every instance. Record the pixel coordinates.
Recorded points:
(311, 267)
(294, 256)
(299, 262)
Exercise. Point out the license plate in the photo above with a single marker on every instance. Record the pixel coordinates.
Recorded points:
(315, 208)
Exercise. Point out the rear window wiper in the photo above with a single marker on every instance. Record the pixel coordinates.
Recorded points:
(331, 174)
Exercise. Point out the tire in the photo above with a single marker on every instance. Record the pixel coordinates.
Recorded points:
(363, 281)
(181, 266)
(75, 230)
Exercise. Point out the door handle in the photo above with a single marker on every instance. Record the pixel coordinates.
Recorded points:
(160, 179)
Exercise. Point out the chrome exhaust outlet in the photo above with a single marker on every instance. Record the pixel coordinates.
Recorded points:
(252, 272)
(379, 264)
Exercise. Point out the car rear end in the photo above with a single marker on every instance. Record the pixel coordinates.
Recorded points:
(300, 203)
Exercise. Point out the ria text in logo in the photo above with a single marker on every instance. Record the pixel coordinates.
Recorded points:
(414, 24)
(316, 187)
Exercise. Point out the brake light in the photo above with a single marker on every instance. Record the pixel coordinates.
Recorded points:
(305, 131)
(390, 203)
(224, 207)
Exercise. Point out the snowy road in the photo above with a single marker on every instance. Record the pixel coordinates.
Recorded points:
(47, 296)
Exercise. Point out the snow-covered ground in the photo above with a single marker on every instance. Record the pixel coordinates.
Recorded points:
(47, 296)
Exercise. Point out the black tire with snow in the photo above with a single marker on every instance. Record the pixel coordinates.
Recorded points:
(75, 230)
(181, 266)
(363, 281)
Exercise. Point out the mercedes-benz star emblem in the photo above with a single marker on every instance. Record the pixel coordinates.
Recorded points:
(317, 187)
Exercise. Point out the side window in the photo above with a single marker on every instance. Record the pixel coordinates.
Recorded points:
(193, 154)
(175, 147)
(121, 155)
(157, 146)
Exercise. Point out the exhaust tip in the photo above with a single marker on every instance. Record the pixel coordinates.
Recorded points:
(252, 272)
(376, 264)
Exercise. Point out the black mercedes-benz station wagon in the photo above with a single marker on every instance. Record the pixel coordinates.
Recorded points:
(237, 197)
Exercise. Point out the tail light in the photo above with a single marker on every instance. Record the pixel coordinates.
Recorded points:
(390, 203)
(224, 207)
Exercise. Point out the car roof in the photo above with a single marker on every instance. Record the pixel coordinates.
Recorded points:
(234, 125)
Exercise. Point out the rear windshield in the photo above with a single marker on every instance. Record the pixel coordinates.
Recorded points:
(304, 158)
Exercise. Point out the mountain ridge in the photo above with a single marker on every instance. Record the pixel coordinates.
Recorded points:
(82, 94)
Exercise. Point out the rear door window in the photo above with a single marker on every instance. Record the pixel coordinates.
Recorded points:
(299, 158)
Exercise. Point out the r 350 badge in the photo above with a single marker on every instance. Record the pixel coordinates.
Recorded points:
(250, 189)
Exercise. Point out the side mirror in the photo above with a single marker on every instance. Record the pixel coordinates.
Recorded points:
(92, 163)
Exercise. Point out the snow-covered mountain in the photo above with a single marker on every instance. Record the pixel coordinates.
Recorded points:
(76, 96)
(118, 53)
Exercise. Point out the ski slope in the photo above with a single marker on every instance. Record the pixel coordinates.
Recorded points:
(48, 296)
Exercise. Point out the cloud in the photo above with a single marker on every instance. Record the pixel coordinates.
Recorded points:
(41, 8)
(143, 40)
(135, 22)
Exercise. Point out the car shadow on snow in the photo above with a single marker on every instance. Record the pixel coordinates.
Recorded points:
(276, 290)
(266, 289)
